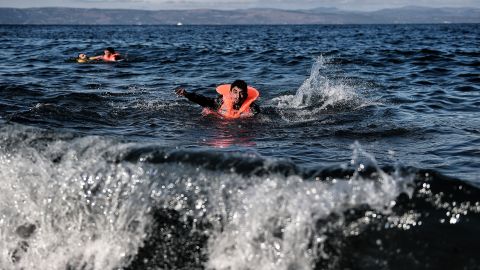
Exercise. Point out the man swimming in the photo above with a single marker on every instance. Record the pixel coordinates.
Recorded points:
(234, 100)
(109, 55)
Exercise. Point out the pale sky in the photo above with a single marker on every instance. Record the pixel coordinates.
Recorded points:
(364, 5)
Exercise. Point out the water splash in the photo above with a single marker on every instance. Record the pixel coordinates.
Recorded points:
(273, 223)
(76, 212)
(79, 203)
(318, 94)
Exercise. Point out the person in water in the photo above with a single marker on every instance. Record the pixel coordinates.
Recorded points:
(234, 100)
(109, 55)
(83, 58)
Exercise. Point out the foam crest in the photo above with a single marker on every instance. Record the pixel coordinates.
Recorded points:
(79, 203)
(273, 224)
(79, 212)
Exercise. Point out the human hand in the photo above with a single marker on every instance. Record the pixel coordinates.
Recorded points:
(180, 91)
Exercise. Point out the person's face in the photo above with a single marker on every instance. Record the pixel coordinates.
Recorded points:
(82, 56)
(237, 95)
(107, 53)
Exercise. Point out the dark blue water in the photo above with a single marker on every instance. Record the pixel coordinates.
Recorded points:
(365, 156)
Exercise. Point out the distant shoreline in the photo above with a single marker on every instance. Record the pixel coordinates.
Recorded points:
(243, 25)
(320, 16)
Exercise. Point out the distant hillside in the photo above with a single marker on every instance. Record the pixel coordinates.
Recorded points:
(244, 16)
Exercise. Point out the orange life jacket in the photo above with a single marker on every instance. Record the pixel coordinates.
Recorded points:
(110, 58)
(227, 110)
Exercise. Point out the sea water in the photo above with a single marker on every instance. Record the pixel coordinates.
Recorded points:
(365, 154)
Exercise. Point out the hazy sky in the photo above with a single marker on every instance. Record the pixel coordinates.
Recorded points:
(233, 4)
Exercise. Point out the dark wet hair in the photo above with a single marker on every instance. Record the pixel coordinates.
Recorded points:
(240, 84)
(110, 49)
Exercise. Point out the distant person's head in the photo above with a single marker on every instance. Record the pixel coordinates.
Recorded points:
(82, 58)
(109, 51)
(238, 92)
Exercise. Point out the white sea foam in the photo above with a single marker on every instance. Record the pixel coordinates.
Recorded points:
(318, 94)
(87, 213)
(92, 212)
(272, 223)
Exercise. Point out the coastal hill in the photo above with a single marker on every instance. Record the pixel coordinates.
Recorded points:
(79, 16)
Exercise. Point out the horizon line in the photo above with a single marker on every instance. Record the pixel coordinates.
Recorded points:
(252, 8)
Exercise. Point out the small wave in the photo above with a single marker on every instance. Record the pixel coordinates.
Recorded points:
(57, 115)
(20, 92)
(371, 132)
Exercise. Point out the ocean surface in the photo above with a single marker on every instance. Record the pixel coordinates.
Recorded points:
(366, 154)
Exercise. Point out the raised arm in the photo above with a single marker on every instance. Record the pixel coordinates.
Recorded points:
(206, 102)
